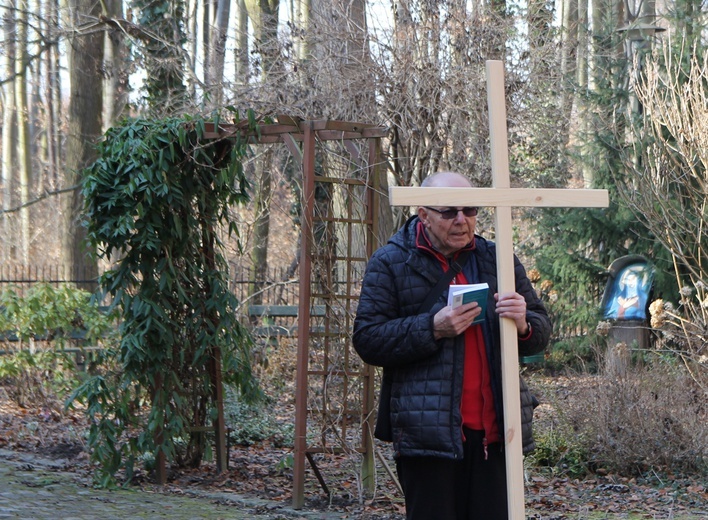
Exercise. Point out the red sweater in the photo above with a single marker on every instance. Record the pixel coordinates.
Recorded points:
(477, 400)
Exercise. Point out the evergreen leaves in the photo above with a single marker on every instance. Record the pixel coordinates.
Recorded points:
(155, 200)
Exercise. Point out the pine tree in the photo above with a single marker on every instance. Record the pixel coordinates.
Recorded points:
(577, 246)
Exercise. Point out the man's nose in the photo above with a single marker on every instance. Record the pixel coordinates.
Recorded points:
(459, 217)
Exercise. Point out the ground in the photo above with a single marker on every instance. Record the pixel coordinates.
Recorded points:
(45, 473)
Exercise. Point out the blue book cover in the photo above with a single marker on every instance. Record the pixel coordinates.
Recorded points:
(461, 294)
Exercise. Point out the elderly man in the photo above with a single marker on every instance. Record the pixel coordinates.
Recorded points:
(441, 402)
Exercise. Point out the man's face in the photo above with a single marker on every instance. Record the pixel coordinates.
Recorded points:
(447, 235)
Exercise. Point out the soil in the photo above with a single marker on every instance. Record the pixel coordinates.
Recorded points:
(262, 473)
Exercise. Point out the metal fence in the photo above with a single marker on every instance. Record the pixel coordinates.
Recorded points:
(21, 277)
(277, 286)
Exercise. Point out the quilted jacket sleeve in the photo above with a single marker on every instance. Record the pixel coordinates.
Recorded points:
(388, 331)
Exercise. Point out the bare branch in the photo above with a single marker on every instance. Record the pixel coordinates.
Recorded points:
(45, 195)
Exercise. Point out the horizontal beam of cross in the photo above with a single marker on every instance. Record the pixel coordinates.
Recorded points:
(499, 197)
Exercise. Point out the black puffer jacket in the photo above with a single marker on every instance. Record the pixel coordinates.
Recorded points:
(420, 401)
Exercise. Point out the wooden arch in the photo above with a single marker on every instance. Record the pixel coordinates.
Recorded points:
(329, 374)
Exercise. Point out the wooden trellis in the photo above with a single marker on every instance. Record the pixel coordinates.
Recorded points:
(341, 172)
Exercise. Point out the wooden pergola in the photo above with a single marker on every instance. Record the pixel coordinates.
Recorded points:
(338, 237)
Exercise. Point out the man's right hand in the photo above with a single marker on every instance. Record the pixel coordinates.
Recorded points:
(449, 322)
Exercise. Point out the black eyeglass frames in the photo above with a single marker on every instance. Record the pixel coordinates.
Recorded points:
(450, 213)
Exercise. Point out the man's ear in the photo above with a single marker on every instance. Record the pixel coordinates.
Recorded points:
(423, 215)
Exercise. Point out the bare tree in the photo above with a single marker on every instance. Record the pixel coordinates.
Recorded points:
(9, 126)
(264, 16)
(667, 190)
(424, 78)
(214, 62)
(434, 94)
(24, 163)
(667, 187)
(85, 109)
(116, 66)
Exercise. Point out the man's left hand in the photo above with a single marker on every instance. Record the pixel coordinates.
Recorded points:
(513, 306)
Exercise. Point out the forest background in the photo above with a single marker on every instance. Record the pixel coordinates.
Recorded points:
(606, 94)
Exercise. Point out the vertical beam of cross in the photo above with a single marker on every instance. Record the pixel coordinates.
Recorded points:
(505, 276)
(503, 198)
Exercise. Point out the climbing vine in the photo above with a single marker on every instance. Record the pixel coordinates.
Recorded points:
(154, 202)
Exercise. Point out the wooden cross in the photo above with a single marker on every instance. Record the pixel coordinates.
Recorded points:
(503, 198)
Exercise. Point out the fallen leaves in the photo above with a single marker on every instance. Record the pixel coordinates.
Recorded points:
(264, 471)
(616, 495)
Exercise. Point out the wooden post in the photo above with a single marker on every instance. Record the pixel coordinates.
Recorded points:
(160, 459)
(503, 198)
(368, 466)
(303, 318)
(222, 462)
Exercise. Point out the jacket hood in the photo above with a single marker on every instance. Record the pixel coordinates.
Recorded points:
(405, 236)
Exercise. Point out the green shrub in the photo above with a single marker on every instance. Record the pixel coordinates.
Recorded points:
(47, 321)
(559, 450)
(576, 353)
(158, 197)
(255, 422)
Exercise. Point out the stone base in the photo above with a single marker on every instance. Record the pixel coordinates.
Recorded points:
(634, 334)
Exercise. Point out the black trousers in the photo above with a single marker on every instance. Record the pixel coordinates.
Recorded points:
(444, 489)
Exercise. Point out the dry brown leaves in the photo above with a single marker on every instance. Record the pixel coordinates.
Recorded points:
(264, 472)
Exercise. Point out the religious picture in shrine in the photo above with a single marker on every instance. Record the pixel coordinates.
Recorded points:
(628, 290)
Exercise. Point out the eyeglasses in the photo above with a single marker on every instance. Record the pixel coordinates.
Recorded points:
(450, 213)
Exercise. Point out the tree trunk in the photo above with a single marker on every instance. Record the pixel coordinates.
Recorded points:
(303, 12)
(57, 105)
(24, 163)
(261, 228)
(37, 145)
(581, 72)
(581, 80)
(208, 7)
(50, 169)
(241, 53)
(264, 17)
(569, 45)
(596, 14)
(214, 80)
(85, 109)
(164, 56)
(9, 129)
(116, 64)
